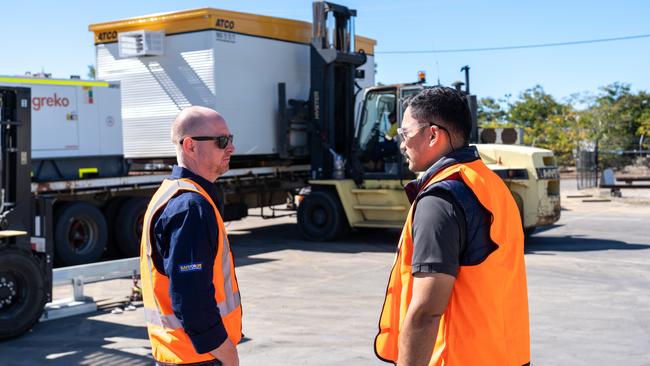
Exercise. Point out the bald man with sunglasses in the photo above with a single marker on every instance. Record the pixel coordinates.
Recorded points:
(191, 297)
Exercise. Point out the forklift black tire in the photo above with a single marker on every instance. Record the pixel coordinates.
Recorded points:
(321, 217)
(128, 226)
(80, 234)
(22, 292)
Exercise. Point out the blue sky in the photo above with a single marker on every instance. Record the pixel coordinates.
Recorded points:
(54, 36)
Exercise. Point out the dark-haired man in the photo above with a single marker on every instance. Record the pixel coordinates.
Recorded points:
(457, 292)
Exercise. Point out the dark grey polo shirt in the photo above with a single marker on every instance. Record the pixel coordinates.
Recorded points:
(439, 231)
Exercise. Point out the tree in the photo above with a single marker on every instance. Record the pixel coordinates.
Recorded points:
(533, 109)
(547, 123)
(644, 129)
(616, 117)
(92, 74)
(490, 113)
(618, 120)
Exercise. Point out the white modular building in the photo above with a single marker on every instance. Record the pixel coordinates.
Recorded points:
(229, 61)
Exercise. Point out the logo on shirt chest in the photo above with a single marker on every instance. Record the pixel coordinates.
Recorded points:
(183, 268)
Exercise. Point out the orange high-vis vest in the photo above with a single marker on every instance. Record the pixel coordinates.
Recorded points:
(169, 342)
(486, 320)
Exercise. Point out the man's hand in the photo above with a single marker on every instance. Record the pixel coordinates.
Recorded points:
(431, 292)
(226, 354)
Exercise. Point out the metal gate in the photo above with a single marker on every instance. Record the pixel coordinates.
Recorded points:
(587, 164)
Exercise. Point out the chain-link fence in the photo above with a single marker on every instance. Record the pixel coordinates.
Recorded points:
(619, 155)
(586, 155)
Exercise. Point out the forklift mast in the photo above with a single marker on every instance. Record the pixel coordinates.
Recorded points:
(25, 222)
(15, 166)
(334, 64)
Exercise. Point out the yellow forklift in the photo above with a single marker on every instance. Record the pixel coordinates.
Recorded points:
(357, 171)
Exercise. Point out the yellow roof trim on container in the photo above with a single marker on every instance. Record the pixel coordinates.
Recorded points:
(365, 44)
(209, 18)
(45, 81)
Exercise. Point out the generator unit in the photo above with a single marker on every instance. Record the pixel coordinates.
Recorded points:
(229, 61)
(76, 128)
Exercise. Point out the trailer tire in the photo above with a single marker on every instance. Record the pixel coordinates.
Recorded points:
(80, 234)
(22, 291)
(321, 217)
(128, 226)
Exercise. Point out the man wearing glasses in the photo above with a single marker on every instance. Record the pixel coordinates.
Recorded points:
(457, 292)
(190, 292)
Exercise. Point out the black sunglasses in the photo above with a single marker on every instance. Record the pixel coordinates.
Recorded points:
(221, 141)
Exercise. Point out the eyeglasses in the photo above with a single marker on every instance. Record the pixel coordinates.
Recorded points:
(221, 141)
(407, 133)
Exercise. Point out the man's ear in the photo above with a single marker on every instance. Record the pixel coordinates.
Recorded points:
(434, 136)
(188, 145)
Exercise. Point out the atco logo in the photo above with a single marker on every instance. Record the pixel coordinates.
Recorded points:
(225, 23)
(53, 101)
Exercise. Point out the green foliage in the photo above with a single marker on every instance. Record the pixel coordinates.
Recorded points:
(547, 123)
(533, 108)
(644, 126)
(92, 74)
(616, 117)
(491, 114)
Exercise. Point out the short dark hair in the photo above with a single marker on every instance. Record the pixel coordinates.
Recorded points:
(444, 106)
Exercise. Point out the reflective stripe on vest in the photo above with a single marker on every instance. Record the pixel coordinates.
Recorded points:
(169, 341)
(170, 321)
(486, 319)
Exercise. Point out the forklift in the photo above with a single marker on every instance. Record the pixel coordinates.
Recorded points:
(25, 256)
(357, 170)
(344, 191)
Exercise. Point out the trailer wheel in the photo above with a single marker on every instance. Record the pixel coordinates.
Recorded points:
(80, 234)
(128, 226)
(22, 292)
(321, 217)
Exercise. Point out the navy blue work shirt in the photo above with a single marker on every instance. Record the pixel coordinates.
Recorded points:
(185, 233)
